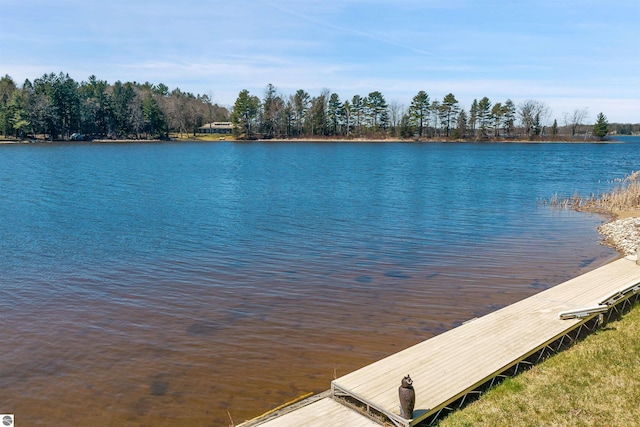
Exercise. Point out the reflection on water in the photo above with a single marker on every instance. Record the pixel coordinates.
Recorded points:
(181, 284)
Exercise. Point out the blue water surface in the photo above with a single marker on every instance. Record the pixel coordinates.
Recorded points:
(175, 255)
(67, 208)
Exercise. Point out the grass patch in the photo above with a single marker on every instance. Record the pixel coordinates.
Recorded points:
(594, 383)
(201, 137)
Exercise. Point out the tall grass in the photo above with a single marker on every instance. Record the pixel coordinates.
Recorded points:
(625, 196)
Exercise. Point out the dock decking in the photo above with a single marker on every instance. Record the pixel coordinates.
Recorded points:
(457, 363)
(324, 412)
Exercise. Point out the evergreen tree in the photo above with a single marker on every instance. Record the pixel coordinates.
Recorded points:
(473, 117)
(66, 101)
(601, 127)
(418, 114)
(7, 89)
(484, 115)
(300, 107)
(317, 123)
(449, 109)
(378, 111)
(508, 117)
(346, 111)
(123, 98)
(245, 111)
(154, 118)
(96, 108)
(497, 112)
(357, 113)
(59, 104)
(335, 114)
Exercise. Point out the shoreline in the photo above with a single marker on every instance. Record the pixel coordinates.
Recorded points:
(322, 140)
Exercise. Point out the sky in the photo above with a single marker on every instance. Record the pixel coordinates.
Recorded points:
(568, 54)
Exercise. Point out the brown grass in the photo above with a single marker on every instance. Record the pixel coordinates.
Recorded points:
(624, 197)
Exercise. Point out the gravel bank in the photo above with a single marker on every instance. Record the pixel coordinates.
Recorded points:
(623, 234)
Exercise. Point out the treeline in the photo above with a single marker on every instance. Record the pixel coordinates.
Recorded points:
(624, 128)
(300, 115)
(57, 107)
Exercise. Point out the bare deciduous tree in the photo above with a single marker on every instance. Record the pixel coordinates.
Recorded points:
(532, 114)
(396, 111)
(574, 120)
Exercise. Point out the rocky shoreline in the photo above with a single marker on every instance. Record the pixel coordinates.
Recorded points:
(622, 234)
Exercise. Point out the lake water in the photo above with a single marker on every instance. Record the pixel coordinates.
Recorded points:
(188, 283)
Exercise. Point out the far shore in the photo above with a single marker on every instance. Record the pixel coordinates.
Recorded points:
(229, 138)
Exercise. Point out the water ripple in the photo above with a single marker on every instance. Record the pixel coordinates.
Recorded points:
(148, 278)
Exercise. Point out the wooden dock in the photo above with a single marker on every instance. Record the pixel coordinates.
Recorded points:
(461, 363)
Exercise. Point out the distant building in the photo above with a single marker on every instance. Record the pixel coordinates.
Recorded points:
(217, 127)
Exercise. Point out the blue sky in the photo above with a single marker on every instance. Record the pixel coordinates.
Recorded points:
(568, 54)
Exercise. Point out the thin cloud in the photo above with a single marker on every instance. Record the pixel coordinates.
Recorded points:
(353, 31)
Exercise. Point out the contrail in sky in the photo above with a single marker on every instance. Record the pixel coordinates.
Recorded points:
(354, 32)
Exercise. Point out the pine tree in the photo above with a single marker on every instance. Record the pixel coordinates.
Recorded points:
(419, 111)
(335, 114)
(484, 115)
(245, 111)
(378, 111)
(473, 117)
(601, 128)
(497, 113)
(449, 108)
(509, 117)
(357, 112)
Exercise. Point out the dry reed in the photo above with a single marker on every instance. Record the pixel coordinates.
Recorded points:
(624, 196)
